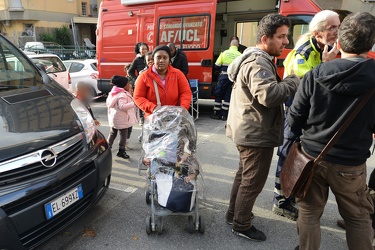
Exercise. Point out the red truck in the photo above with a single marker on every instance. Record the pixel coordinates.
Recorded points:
(201, 28)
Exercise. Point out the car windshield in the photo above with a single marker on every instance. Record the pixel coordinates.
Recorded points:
(50, 64)
(15, 70)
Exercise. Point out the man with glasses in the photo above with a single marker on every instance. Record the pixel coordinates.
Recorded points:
(313, 48)
(324, 100)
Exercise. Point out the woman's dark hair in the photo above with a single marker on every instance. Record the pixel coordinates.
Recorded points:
(138, 45)
(357, 33)
(269, 24)
(162, 47)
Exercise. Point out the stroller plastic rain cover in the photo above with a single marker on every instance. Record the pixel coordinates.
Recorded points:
(169, 144)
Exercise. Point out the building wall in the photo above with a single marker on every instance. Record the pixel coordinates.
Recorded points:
(43, 15)
(358, 6)
(60, 6)
(330, 4)
(351, 5)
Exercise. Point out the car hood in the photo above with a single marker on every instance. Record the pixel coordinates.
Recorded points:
(34, 118)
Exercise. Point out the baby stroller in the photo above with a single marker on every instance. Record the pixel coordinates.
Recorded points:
(169, 144)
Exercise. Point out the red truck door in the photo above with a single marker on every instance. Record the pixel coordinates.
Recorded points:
(146, 27)
(190, 25)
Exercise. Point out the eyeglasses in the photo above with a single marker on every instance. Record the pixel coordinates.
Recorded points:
(332, 28)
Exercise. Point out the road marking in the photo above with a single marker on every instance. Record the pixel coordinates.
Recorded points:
(207, 136)
(123, 188)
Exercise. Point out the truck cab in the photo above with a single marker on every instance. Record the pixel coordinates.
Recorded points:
(201, 28)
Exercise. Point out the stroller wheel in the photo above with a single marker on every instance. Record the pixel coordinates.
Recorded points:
(159, 226)
(191, 226)
(148, 196)
(148, 225)
(202, 226)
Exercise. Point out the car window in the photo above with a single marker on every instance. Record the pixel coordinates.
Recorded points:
(93, 66)
(50, 64)
(67, 65)
(15, 70)
(76, 67)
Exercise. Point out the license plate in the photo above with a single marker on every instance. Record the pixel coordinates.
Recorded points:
(58, 205)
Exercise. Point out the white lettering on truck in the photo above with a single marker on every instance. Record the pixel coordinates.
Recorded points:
(190, 35)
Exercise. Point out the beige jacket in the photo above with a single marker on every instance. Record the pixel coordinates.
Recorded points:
(256, 115)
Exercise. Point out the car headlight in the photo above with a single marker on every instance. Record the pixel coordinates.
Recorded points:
(85, 118)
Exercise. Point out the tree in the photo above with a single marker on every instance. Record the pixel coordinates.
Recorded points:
(61, 35)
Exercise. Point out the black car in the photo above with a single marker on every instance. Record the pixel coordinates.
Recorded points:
(54, 163)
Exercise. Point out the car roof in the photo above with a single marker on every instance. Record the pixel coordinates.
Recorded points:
(43, 55)
(33, 43)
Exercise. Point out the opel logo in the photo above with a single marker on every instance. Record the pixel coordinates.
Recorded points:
(48, 158)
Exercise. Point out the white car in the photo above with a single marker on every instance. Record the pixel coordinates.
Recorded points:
(54, 67)
(85, 71)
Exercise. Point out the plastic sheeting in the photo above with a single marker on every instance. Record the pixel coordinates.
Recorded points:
(169, 145)
(169, 135)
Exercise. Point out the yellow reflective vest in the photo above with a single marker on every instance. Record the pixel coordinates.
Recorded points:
(225, 58)
(303, 58)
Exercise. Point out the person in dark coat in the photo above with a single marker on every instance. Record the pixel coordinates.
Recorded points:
(139, 62)
(179, 59)
(324, 100)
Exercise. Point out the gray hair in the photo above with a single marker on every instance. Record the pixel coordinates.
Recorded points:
(319, 21)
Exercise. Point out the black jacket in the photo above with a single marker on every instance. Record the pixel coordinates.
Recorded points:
(325, 98)
(241, 48)
(180, 62)
(138, 65)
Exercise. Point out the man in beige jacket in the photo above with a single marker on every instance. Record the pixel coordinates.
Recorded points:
(255, 120)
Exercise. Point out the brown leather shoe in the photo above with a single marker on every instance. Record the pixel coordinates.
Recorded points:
(341, 223)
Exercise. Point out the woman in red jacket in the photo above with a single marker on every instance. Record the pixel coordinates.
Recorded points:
(173, 87)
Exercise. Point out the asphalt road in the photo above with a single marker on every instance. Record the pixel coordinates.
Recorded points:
(118, 220)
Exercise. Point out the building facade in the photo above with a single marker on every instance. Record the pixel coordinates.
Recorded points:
(350, 5)
(24, 20)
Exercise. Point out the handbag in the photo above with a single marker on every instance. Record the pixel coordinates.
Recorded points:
(298, 167)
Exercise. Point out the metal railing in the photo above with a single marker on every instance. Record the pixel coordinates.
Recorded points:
(67, 52)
